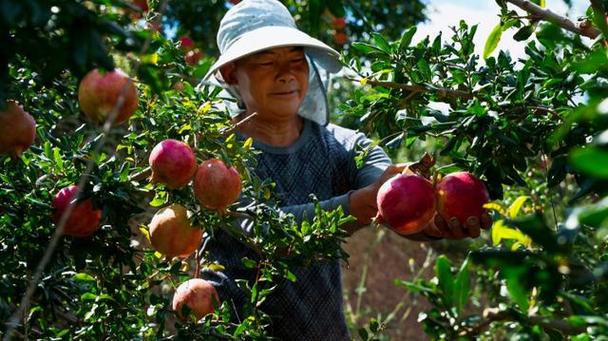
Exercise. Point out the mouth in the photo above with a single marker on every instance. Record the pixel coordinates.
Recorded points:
(285, 93)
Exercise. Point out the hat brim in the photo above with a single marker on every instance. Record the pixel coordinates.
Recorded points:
(278, 36)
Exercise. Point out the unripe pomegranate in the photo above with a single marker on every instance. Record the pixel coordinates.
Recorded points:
(173, 163)
(461, 195)
(98, 95)
(17, 129)
(406, 203)
(216, 186)
(84, 218)
(198, 295)
(172, 234)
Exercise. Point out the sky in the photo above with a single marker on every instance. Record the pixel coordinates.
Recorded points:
(445, 13)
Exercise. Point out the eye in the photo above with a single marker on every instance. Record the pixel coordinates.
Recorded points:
(298, 60)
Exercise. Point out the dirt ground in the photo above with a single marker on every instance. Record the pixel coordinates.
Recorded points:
(378, 257)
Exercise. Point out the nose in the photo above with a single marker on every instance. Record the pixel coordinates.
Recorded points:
(285, 73)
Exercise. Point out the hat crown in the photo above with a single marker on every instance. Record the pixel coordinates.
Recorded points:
(250, 15)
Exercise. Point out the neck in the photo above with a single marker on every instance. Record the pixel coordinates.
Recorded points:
(273, 132)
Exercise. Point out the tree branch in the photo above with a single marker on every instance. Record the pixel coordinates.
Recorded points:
(494, 314)
(563, 22)
(441, 92)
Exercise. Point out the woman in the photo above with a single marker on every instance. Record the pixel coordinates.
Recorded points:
(273, 69)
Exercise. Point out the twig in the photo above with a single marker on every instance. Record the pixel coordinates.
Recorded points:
(548, 15)
(493, 315)
(238, 124)
(441, 92)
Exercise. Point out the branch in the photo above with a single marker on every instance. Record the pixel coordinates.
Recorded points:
(493, 315)
(441, 92)
(563, 22)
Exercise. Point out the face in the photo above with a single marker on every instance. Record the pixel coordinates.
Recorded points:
(273, 82)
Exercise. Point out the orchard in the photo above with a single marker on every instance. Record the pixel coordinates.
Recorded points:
(117, 169)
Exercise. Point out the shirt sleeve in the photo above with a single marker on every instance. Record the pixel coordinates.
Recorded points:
(375, 162)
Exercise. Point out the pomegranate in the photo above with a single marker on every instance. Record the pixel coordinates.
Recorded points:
(406, 203)
(339, 23)
(187, 43)
(173, 163)
(84, 218)
(216, 186)
(193, 57)
(172, 234)
(461, 195)
(17, 129)
(98, 95)
(198, 295)
(340, 38)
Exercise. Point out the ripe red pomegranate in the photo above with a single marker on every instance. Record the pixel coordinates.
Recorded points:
(461, 195)
(17, 129)
(142, 4)
(84, 218)
(173, 163)
(98, 95)
(193, 57)
(406, 203)
(339, 23)
(198, 295)
(234, 2)
(187, 43)
(340, 38)
(216, 186)
(172, 234)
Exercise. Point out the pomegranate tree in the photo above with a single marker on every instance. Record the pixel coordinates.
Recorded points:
(98, 94)
(461, 195)
(83, 220)
(198, 295)
(173, 163)
(17, 129)
(172, 234)
(216, 186)
(406, 203)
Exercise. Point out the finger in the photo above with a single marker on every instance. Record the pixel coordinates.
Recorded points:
(486, 221)
(432, 230)
(473, 228)
(439, 223)
(456, 230)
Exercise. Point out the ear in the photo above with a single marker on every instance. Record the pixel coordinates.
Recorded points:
(228, 72)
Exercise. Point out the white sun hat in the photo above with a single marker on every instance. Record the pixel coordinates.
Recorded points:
(256, 25)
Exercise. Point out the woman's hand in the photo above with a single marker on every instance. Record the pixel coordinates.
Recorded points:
(452, 229)
(362, 202)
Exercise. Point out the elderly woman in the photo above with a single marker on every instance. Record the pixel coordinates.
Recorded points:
(273, 69)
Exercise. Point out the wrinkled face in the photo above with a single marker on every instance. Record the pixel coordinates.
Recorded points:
(272, 82)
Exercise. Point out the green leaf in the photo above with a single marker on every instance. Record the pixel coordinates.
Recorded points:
(462, 286)
(406, 37)
(249, 263)
(517, 291)
(84, 277)
(492, 41)
(424, 69)
(516, 206)
(591, 160)
(524, 33)
(381, 42)
(446, 280)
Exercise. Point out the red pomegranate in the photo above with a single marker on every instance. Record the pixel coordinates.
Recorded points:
(17, 129)
(84, 218)
(340, 38)
(193, 57)
(461, 195)
(172, 234)
(187, 43)
(198, 295)
(173, 163)
(216, 186)
(98, 94)
(406, 203)
(339, 23)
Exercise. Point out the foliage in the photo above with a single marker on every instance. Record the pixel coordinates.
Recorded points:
(534, 129)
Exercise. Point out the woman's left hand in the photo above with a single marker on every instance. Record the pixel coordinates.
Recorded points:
(453, 229)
